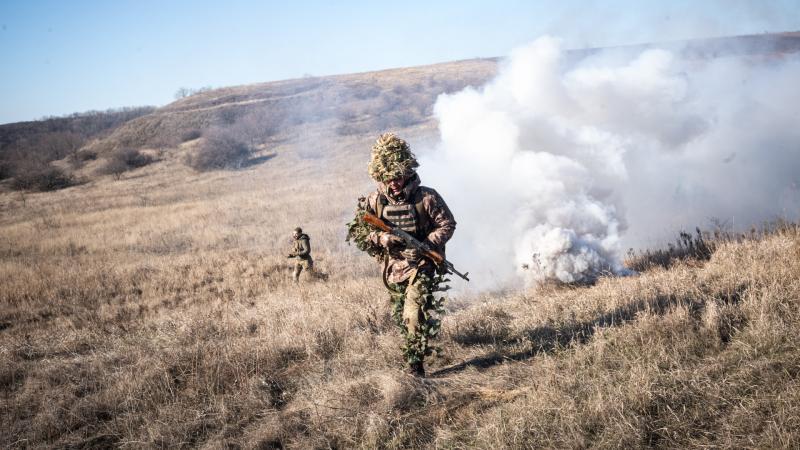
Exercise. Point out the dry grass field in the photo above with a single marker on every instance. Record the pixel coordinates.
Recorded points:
(155, 309)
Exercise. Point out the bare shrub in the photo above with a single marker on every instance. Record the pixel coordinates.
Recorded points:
(686, 247)
(125, 159)
(6, 169)
(350, 129)
(60, 144)
(86, 155)
(256, 126)
(366, 91)
(348, 113)
(191, 135)
(390, 101)
(182, 92)
(397, 119)
(400, 90)
(42, 178)
(220, 149)
(228, 116)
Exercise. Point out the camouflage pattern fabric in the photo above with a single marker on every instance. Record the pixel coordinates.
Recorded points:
(440, 226)
(308, 265)
(301, 250)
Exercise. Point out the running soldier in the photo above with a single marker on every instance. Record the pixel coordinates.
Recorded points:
(301, 250)
(411, 278)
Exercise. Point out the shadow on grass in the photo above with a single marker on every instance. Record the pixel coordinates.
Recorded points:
(258, 160)
(547, 338)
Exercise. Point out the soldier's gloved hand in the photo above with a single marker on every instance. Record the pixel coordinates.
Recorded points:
(390, 241)
(411, 255)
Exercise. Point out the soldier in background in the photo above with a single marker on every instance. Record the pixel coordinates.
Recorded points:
(411, 278)
(301, 250)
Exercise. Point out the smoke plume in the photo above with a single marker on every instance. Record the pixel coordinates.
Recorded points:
(562, 162)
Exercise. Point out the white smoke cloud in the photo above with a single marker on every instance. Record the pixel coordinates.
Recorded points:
(560, 165)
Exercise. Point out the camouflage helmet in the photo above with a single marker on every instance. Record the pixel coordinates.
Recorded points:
(391, 158)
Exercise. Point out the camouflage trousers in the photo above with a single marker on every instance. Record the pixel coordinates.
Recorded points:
(307, 264)
(413, 308)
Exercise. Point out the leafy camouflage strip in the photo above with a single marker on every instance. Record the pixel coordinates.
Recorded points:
(391, 158)
(358, 232)
(418, 344)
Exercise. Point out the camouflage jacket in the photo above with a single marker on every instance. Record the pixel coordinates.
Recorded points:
(302, 247)
(435, 229)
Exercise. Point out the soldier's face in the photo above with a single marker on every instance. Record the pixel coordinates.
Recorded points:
(295, 235)
(396, 185)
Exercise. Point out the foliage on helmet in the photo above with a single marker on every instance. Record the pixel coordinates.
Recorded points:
(391, 158)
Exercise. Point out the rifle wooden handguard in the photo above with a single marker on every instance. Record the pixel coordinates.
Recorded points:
(377, 223)
(381, 225)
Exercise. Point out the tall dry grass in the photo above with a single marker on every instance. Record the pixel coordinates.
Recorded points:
(157, 311)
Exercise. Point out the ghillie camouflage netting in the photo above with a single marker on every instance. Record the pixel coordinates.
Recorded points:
(358, 233)
(391, 158)
(416, 345)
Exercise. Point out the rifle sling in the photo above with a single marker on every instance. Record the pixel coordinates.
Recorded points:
(385, 275)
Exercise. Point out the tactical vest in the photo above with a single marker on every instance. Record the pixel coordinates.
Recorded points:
(298, 247)
(409, 217)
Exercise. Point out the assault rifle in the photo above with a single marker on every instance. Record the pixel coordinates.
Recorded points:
(412, 242)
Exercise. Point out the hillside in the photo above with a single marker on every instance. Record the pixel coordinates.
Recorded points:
(346, 104)
(261, 114)
(154, 308)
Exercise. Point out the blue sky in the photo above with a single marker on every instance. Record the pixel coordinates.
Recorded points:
(60, 57)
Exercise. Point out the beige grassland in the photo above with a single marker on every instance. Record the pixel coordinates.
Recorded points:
(157, 311)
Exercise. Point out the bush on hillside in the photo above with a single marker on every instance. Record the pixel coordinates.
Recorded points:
(42, 178)
(6, 169)
(220, 149)
(125, 159)
(364, 91)
(86, 155)
(191, 135)
(350, 129)
(257, 126)
(686, 247)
